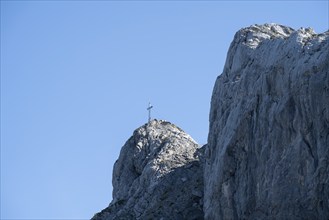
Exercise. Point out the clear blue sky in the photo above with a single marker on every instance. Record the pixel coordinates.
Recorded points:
(77, 76)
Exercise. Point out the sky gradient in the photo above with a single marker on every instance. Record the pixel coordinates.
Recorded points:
(77, 76)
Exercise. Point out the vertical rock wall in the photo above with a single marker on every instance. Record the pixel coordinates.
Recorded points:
(268, 143)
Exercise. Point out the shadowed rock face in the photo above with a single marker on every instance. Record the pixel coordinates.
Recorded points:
(268, 143)
(158, 176)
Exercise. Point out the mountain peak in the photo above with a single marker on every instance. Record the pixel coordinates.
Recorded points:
(158, 175)
(254, 35)
(267, 151)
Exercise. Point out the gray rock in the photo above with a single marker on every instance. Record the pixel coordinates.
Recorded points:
(267, 155)
(158, 176)
(268, 145)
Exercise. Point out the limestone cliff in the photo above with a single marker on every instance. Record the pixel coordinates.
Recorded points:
(267, 155)
(158, 176)
(268, 143)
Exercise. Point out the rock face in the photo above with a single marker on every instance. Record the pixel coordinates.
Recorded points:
(267, 155)
(158, 176)
(268, 143)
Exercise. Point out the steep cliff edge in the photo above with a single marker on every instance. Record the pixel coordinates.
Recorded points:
(268, 143)
(159, 175)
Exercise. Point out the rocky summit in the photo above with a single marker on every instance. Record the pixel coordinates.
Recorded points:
(267, 155)
(158, 176)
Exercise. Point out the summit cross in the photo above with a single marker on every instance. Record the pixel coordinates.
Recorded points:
(149, 109)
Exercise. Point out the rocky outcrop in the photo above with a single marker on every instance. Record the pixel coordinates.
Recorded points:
(267, 155)
(158, 176)
(268, 143)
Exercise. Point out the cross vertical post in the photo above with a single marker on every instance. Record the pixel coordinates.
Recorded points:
(149, 109)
